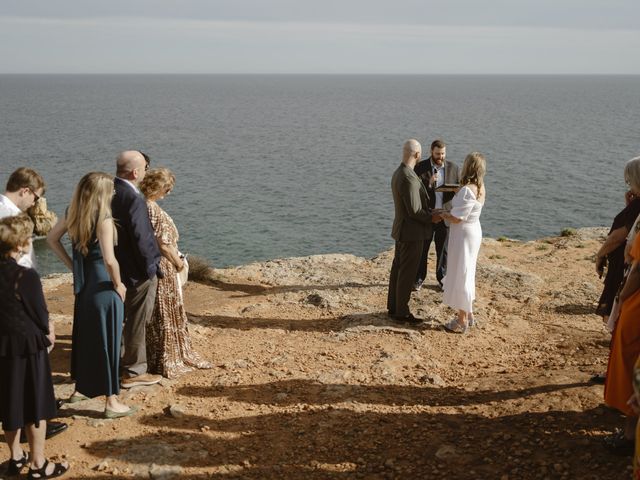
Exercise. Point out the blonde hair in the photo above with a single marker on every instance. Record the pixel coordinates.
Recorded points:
(91, 203)
(157, 181)
(15, 232)
(473, 170)
(632, 173)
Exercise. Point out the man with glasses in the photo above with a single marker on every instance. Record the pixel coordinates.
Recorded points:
(24, 188)
(138, 255)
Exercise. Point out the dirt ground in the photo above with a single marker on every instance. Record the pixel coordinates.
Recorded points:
(313, 381)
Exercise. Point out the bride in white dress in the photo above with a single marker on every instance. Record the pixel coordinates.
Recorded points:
(465, 236)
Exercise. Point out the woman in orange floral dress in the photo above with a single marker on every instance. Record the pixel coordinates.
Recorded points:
(169, 349)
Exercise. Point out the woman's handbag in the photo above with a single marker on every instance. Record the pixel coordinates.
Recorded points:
(183, 275)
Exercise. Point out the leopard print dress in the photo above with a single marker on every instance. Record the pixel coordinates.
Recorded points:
(169, 349)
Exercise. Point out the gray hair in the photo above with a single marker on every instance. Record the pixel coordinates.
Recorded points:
(632, 173)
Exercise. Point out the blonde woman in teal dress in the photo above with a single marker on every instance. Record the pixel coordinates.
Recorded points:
(99, 292)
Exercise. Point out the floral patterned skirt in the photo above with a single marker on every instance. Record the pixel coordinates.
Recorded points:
(169, 349)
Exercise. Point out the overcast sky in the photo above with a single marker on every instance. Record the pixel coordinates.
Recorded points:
(320, 36)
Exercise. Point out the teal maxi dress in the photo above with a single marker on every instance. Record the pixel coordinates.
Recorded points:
(97, 326)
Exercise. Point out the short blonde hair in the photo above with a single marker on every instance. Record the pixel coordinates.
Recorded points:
(632, 173)
(15, 232)
(157, 181)
(473, 169)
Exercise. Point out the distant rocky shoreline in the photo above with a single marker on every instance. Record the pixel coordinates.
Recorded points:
(311, 269)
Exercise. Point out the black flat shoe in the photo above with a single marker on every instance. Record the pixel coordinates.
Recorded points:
(53, 429)
(409, 319)
(16, 466)
(39, 473)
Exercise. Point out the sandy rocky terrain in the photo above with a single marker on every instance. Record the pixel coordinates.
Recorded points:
(313, 381)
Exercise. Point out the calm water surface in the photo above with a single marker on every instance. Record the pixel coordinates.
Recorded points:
(278, 166)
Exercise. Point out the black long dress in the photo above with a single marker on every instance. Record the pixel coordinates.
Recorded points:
(26, 387)
(615, 259)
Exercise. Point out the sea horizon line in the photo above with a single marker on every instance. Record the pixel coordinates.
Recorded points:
(317, 74)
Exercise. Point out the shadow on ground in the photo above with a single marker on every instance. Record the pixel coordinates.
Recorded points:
(322, 325)
(576, 309)
(308, 392)
(334, 443)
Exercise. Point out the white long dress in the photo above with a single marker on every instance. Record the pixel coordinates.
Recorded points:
(462, 251)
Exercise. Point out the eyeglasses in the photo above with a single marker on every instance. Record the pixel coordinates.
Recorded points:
(147, 160)
(36, 197)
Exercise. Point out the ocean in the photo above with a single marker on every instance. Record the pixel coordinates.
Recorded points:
(272, 166)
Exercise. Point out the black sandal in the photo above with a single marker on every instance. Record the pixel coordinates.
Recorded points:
(618, 444)
(37, 474)
(16, 466)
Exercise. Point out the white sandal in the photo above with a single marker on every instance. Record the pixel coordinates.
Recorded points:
(455, 327)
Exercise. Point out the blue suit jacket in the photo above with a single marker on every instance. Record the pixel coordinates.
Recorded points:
(137, 249)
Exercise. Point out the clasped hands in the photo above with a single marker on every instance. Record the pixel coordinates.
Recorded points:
(439, 214)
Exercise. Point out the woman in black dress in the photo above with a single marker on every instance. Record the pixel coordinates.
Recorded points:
(611, 253)
(26, 388)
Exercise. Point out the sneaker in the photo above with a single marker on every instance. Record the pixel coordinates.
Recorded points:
(140, 380)
(417, 286)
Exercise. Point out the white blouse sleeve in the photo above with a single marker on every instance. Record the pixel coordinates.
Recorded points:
(462, 203)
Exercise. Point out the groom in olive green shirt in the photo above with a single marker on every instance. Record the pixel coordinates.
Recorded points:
(411, 225)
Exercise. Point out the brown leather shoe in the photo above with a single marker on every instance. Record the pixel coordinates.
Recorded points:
(140, 380)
